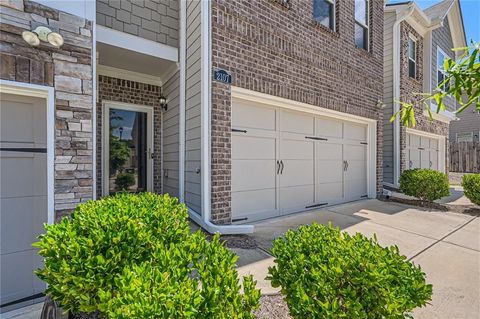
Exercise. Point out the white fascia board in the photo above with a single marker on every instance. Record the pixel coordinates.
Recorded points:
(442, 116)
(128, 75)
(137, 44)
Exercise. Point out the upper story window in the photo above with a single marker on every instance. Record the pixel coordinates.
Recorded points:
(361, 24)
(441, 74)
(324, 12)
(412, 58)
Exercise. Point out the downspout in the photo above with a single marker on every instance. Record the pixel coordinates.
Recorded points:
(206, 68)
(396, 92)
(181, 105)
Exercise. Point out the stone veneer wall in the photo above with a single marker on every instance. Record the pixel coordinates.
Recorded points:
(69, 70)
(125, 91)
(409, 86)
(283, 52)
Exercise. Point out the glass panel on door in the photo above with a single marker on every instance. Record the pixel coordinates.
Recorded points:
(128, 151)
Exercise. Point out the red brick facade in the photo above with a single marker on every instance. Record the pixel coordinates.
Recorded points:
(282, 51)
(410, 86)
(130, 92)
(69, 70)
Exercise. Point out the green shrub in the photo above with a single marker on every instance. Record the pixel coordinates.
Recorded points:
(425, 184)
(471, 187)
(124, 181)
(192, 279)
(325, 273)
(111, 247)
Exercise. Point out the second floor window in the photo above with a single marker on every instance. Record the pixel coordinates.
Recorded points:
(441, 74)
(412, 58)
(324, 12)
(361, 24)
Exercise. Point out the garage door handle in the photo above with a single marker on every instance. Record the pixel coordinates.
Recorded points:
(410, 164)
(239, 131)
(278, 167)
(281, 162)
(431, 163)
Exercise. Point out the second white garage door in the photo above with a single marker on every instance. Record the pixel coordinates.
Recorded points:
(422, 152)
(285, 161)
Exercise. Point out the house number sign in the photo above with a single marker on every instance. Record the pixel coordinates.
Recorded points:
(222, 76)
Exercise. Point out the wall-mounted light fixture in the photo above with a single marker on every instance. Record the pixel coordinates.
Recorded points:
(42, 33)
(163, 102)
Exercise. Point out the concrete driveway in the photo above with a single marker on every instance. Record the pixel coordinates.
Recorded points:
(445, 244)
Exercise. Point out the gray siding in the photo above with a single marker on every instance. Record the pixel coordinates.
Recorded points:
(469, 122)
(193, 107)
(388, 97)
(171, 136)
(442, 38)
(155, 20)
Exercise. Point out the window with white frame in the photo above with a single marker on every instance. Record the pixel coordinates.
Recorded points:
(361, 24)
(412, 58)
(324, 12)
(441, 74)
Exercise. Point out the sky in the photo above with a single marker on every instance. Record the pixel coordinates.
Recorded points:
(470, 12)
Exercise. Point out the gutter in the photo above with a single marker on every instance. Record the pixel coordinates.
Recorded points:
(396, 91)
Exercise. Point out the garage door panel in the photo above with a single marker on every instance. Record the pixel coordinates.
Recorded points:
(328, 127)
(18, 281)
(293, 199)
(329, 171)
(425, 159)
(356, 170)
(414, 140)
(327, 151)
(253, 147)
(354, 131)
(254, 205)
(295, 122)
(424, 142)
(434, 159)
(253, 174)
(23, 174)
(296, 149)
(355, 153)
(329, 192)
(253, 116)
(355, 188)
(297, 172)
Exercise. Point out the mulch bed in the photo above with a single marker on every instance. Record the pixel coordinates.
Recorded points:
(237, 241)
(272, 307)
(461, 209)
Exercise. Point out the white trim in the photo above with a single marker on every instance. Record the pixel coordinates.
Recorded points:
(248, 95)
(170, 72)
(106, 106)
(441, 145)
(94, 110)
(396, 91)
(128, 75)
(137, 44)
(48, 93)
(205, 110)
(443, 116)
(181, 114)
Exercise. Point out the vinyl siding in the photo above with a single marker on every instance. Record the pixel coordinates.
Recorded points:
(388, 97)
(171, 136)
(193, 107)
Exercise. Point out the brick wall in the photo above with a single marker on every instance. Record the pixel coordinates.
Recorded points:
(125, 91)
(283, 52)
(69, 70)
(155, 20)
(409, 86)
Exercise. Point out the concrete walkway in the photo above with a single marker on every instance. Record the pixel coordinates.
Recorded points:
(445, 244)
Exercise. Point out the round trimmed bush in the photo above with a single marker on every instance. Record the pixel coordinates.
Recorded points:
(471, 187)
(127, 250)
(324, 273)
(424, 184)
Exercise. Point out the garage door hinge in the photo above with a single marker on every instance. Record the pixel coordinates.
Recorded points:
(364, 196)
(364, 143)
(237, 130)
(421, 148)
(316, 205)
(316, 138)
(239, 219)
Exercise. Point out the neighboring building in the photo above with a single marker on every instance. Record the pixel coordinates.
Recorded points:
(416, 42)
(467, 127)
(298, 127)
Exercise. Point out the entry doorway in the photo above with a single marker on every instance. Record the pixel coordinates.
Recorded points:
(127, 148)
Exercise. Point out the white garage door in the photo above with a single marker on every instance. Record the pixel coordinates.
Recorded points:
(23, 196)
(285, 161)
(422, 152)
